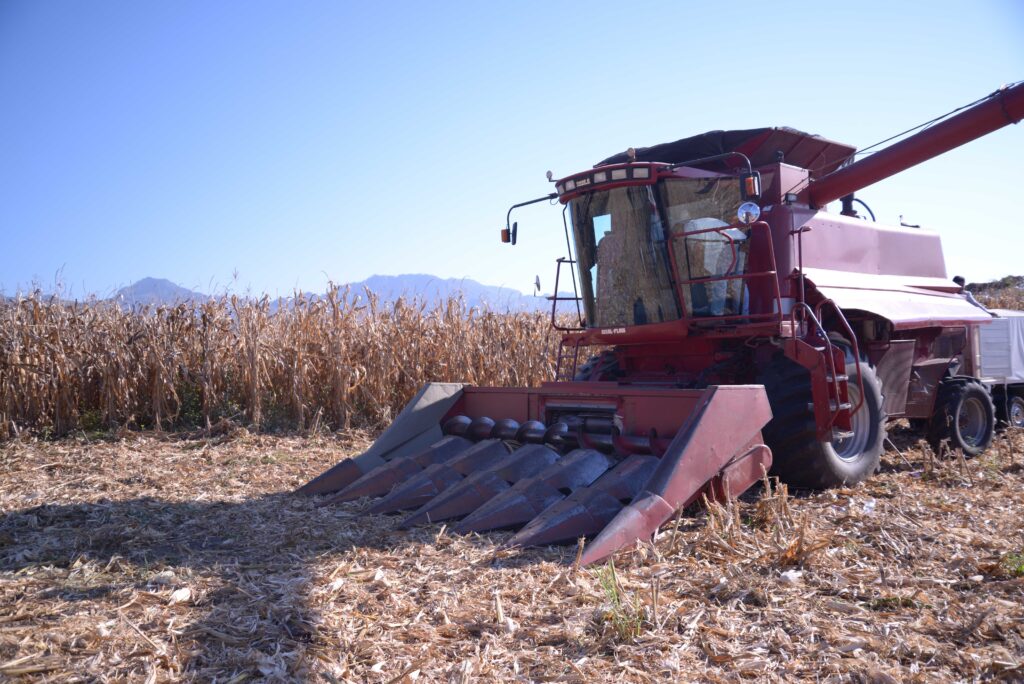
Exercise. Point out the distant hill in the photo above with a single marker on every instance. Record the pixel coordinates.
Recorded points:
(153, 292)
(424, 287)
(432, 289)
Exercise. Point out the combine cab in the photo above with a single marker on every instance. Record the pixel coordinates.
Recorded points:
(733, 318)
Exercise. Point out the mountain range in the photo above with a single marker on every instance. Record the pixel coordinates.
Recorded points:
(426, 288)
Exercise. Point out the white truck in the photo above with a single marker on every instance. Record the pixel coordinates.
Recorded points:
(1000, 350)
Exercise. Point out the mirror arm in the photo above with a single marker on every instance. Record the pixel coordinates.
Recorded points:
(508, 217)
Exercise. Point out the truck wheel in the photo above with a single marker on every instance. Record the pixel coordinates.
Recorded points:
(799, 457)
(964, 415)
(602, 367)
(1010, 412)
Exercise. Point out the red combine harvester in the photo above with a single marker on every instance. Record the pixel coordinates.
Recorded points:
(743, 328)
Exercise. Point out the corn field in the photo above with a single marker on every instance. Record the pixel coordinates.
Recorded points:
(1002, 298)
(335, 361)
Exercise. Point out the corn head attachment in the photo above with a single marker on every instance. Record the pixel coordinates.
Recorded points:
(560, 462)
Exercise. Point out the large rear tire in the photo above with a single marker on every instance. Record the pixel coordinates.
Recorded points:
(799, 457)
(964, 415)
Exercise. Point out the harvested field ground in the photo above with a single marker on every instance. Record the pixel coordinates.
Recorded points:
(160, 557)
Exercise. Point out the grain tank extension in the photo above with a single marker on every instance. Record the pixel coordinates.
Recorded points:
(724, 324)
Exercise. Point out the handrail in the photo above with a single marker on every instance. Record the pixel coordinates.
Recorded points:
(572, 271)
(554, 299)
(829, 347)
(732, 242)
(853, 341)
(738, 276)
(772, 272)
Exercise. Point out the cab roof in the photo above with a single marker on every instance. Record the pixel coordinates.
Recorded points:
(762, 145)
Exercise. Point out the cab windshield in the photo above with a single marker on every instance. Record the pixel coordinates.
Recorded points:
(622, 251)
(623, 260)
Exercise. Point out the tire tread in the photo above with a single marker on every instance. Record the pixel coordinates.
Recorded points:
(800, 459)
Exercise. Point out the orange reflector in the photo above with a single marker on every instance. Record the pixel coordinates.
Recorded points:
(751, 186)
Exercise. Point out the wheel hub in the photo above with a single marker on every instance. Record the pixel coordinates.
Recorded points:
(1017, 413)
(971, 421)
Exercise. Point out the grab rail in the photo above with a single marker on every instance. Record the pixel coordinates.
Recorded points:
(555, 298)
(775, 315)
(853, 340)
(813, 315)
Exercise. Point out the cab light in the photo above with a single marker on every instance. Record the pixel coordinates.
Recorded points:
(642, 172)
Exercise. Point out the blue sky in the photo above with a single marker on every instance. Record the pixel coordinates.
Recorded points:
(269, 146)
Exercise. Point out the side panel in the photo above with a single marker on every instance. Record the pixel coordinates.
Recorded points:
(893, 367)
(996, 358)
(907, 307)
(924, 384)
(844, 243)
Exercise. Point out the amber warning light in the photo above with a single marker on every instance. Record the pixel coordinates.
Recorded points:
(751, 185)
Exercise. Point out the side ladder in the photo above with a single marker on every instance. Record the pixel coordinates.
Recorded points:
(567, 361)
(826, 362)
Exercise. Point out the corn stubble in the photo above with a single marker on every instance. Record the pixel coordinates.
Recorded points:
(337, 361)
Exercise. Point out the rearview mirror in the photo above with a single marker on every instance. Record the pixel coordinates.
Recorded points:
(508, 235)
